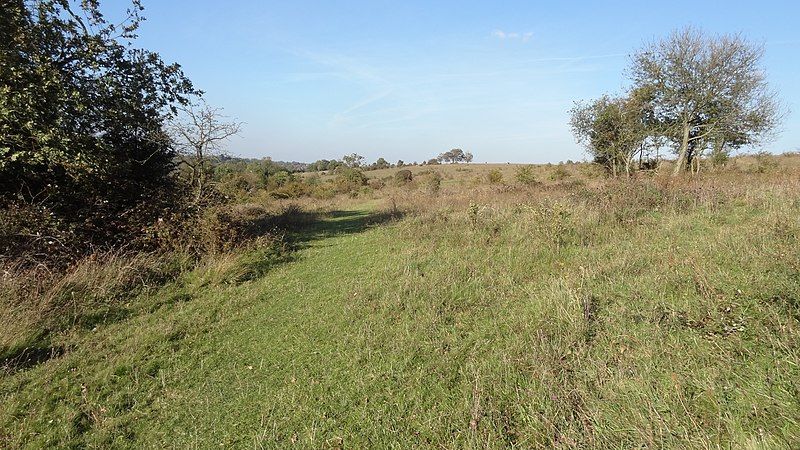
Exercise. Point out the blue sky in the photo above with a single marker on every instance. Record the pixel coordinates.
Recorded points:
(411, 79)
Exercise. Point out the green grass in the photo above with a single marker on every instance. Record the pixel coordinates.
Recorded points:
(450, 329)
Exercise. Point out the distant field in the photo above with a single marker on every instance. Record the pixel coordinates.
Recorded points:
(571, 312)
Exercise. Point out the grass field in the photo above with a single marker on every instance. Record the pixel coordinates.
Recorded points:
(573, 313)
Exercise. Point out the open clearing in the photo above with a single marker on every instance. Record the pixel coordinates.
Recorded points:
(568, 314)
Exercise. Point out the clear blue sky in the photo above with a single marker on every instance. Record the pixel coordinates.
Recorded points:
(410, 79)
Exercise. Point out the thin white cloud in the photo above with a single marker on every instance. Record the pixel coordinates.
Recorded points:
(512, 35)
(360, 104)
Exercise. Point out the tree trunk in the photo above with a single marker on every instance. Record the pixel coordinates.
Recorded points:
(680, 164)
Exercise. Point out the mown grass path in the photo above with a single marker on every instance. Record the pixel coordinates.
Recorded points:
(447, 331)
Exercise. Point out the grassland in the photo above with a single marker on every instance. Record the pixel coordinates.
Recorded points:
(575, 312)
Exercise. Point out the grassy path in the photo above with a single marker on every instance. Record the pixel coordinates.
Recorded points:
(432, 332)
(273, 360)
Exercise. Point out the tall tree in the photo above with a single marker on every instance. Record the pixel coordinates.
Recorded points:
(706, 90)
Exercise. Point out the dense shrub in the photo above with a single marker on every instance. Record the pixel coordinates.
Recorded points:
(559, 173)
(494, 176)
(349, 179)
(432, 182)
(82, 136)
(403, 176)
(526, 176)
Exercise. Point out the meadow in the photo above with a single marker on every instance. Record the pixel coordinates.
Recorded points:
(468, 307)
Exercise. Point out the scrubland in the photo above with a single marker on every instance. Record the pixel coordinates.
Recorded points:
(474, 306)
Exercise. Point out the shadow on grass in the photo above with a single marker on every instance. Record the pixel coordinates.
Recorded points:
(300, 229)
(339, 222)
(14, 360)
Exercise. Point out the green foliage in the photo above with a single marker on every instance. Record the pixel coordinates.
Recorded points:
(494, 176)
(719, 158)
(559, 173)
(380, 164)
(81, 118)
(455, 155)
(614, 130)
(324, 164)
(431, 181)
(525, 175)
(706, 90)
(349, 179)
(352, 160)
(403, 176)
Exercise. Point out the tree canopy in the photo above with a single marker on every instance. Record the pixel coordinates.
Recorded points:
(707, 90)
(455, 155)
(82, 111)
(692, 90)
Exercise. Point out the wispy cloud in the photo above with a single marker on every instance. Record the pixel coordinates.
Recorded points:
(342, 66)
(512, 35)
(343, 116)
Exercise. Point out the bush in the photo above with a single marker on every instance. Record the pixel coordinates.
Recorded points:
(403, 176)
(349, 179)
(494, 176)
(764, 162)
(432, 181)
(293, 189)
(278, 179)
(83, 115)
(525, 175)
(554, 223)
(323, 192)
(559, 173)
(719, 159)
(376, 184)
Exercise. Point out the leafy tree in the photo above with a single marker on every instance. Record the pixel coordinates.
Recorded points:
(454, 156)
(381, 164)
(82, 115)
(349, 179)
(353, 160)
(707, 90)
(323, 164)
(614, 130)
